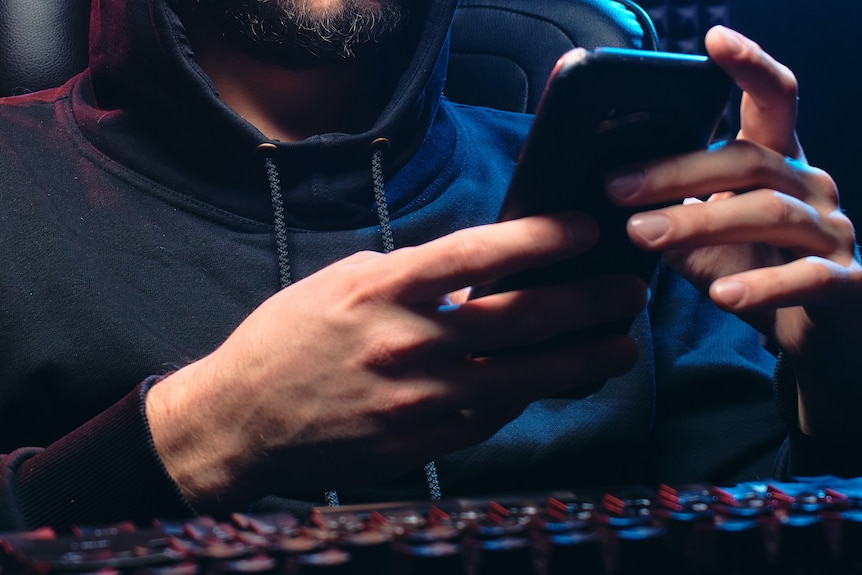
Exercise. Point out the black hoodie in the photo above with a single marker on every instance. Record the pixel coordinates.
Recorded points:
(136, 220)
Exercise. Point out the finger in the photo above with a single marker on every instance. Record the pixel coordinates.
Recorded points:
(763, 216)
(735, 165)
(499, 321)
(458, 297)
(479, 255)
(808, 281)
(525, 376)
(769, 107)
(461, 428)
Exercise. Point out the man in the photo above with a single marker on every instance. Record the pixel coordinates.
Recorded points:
(203, 211)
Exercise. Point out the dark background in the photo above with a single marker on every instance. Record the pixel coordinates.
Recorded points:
(815, 40)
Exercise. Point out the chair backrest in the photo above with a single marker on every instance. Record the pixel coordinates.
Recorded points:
(504, 50)
(42, 43)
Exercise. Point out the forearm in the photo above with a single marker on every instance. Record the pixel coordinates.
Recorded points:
(105, 471)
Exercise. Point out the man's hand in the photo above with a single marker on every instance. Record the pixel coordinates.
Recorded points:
(771, 242)
(364, 369)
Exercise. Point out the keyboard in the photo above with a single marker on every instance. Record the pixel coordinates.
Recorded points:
(812, 525)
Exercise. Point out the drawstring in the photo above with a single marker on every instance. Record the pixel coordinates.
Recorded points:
(378, 148)
(280, 227)
(432, 481)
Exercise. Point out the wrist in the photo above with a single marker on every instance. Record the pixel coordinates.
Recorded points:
(191, 438)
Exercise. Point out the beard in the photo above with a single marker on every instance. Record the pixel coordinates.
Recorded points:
(294, 34)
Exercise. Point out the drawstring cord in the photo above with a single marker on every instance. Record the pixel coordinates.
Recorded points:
(378, 147)
(433, 481)
(280, 227)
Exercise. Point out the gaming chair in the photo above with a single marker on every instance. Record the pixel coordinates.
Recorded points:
(502, 50)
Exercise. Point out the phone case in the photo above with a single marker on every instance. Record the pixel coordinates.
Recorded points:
(603, 109)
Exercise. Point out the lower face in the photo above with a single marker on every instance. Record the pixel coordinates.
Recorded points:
(328, 8)
(302, 33)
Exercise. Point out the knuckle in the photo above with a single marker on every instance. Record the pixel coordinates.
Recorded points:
(786, 81)
(842, 223)
(824, 185)
(787, 211)
(395, 352)
(374, 280)
(823, 274)
(464, 252)
(844, 230)
(385, 353)
(361, 257)
(357, 294)
(760, 161)
(380, 356)
(400, 403)
(359, 278)
(788, 84)
(764, 161)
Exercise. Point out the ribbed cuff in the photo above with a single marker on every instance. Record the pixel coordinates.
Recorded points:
(105, 471)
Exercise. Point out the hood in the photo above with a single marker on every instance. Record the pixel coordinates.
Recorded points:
(145, 102)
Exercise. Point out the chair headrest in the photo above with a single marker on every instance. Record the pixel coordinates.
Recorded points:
(495, 44)
(504, 50)
(42, 43)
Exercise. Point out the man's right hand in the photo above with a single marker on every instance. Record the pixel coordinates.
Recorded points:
(363, 370)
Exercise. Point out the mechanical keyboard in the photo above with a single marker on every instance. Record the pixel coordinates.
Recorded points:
(812, 525)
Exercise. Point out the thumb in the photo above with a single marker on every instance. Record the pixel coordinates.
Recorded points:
(769, 101)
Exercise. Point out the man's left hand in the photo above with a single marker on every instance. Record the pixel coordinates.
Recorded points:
(770, 241)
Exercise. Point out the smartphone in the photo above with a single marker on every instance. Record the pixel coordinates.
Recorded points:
(602, 109)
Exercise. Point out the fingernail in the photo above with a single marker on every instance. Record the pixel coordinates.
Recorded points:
(731, 292)
(650, 227)
(625, 185)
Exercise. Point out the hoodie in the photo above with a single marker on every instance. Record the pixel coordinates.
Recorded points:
(139, 227)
